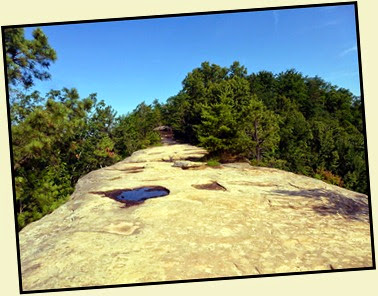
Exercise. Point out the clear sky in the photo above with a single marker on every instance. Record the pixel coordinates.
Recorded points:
(127, 62)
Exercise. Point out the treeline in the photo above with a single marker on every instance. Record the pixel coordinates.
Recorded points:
(287, 121)
(58, 138)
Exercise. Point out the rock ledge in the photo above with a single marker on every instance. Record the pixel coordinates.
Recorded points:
(264, 221)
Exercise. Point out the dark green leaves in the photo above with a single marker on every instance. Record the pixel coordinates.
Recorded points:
(27, 59)
(289, 121)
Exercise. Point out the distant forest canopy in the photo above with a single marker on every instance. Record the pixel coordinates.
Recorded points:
(287, 121)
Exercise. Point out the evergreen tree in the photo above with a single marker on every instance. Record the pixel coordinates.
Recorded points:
(295, 134)
(27, 59)
(259, 127)
(217, 130)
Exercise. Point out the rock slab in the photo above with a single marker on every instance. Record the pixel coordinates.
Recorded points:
(263, 221)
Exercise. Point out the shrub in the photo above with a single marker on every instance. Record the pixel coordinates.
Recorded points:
(213, 162)
(328, 177)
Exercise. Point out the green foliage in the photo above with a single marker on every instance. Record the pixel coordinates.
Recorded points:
(40, 193)
(175, 113)
(288, 121)
(213, 162)
(135, 130)
(259, 128)
(27, 59)
(53, 145)
(219, 112)
(217, 129)
(295, 134)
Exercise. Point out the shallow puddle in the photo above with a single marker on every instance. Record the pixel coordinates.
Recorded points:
(135, 196)
(142, 194)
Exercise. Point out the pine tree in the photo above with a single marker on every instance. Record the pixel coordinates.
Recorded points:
(27, 59)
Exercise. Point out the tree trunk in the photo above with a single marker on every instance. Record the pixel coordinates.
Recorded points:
(258, 153)
(256, 136)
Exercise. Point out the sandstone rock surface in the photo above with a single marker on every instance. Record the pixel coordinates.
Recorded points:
(216, 222)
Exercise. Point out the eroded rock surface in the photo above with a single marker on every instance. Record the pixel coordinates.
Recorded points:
(262, 221)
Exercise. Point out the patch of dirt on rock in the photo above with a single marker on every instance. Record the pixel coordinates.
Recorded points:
(115, 178)
(129, 170)
(210, 186)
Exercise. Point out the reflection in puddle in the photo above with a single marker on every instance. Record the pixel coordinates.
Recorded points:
(141, 194)
(135, 196)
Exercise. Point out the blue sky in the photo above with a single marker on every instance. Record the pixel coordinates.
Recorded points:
(127, 62)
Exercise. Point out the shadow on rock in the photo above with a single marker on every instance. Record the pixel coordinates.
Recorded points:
(350, 208)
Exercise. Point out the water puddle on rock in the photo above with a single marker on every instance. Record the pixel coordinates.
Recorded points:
(135, 196)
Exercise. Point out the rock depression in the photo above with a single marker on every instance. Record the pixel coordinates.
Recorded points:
(230, 220)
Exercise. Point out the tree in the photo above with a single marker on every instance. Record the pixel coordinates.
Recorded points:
(291, 84)
(295, 135)
(22, 104)
(233, 122)
(54, 145)
(237, 70)
(317, 90)
(93, 146)
(27, 59)
(217, 131)
(260, 127)
(41, 148)
(174, 114)
(264, 86)
(135, 130)
(196, 87)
